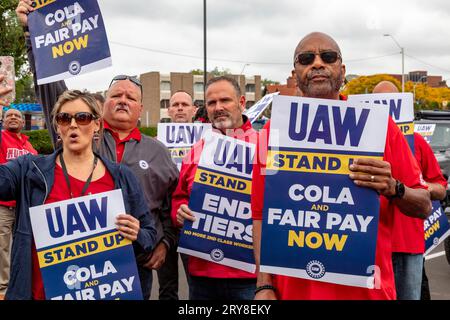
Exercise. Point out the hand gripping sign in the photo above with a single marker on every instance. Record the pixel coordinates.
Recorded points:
(220, 200)
(401, 110)
(81, 254)
(317, 224)
(68, 38)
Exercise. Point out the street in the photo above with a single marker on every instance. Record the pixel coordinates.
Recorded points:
(438, 272)
(436, 266)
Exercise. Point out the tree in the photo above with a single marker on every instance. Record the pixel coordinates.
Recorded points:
(214, 72)
(13, 44)
(365, 84)
(425, 97)
(11, 36)
(265, 83)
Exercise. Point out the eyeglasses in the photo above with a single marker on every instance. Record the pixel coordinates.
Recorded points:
(306, 58)
(125, 77)
(81, 118)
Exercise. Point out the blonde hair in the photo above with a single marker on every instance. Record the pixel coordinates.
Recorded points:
(72, 95)
(90, 101)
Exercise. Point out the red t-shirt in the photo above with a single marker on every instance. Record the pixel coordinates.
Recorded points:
(120, 144)
(12, 146)
(60, 191)
(407, 236)
(404, 168)
(196, 266)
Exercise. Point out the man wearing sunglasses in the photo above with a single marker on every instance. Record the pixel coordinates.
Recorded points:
(122, 142)
(13, 144)
(320, 74)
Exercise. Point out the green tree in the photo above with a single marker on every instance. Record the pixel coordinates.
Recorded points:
(12, 43)
(11, 37)
(214, 72)
(267, 82)
(25, 89)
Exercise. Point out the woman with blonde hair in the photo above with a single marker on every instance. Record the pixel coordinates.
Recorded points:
(73, 170)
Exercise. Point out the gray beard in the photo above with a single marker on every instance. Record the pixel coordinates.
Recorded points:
(324, 91)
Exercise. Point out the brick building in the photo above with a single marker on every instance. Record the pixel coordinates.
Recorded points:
(422, 76)
(288, 89)
(158, 89)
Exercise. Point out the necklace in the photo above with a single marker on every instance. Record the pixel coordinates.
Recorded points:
(66, 175)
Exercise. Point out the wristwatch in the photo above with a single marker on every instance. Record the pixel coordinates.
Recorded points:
(399, 190)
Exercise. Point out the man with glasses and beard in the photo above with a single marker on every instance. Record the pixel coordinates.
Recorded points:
(208, 280)
(397, 178)
(122, 142)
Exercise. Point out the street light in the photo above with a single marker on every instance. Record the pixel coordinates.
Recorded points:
(414, 87)
(403, 59)
(242, 71)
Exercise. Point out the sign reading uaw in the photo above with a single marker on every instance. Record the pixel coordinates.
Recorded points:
(401, 109)
(317, 224)
(220, 200)
(68, 38)
(180, 137)
(80, 252)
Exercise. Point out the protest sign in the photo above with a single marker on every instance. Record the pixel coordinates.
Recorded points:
(401, 110)
(180, 137)
(81, 254)
(220, 200)
(426, 130)
(436, 227)
(68, 38)
(258, 108)
(317, 224)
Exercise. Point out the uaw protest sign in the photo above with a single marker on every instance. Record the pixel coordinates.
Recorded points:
(436, 227)
(258, 108)
(220, 200)
(401, 109)
(68, 38)
(180, 137)
(426, 130)
(81, 254)
(317, 224)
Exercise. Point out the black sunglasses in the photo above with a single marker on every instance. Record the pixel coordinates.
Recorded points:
(306, 58)
(125, 77)
(81, 118)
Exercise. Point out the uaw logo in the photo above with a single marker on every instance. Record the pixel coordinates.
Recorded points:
(217, 255)
(436, 241)
(315, 269)
(70, 282)
(143, 164)
(74, 67)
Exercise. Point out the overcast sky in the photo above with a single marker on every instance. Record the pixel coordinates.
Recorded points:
(264, 34)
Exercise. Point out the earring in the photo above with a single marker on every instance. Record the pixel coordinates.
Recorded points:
(96, 136)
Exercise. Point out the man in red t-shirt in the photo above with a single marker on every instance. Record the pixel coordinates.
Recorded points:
(408, 243)
(13, 144)
(320, 74)
(209, 280)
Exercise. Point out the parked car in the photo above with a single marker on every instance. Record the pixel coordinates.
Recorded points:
(440, 143)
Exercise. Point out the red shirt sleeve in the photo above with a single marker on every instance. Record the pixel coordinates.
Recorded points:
(259, 177)
(425, 156)
(404, 166)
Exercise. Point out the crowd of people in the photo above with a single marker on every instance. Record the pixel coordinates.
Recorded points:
(98, 147)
